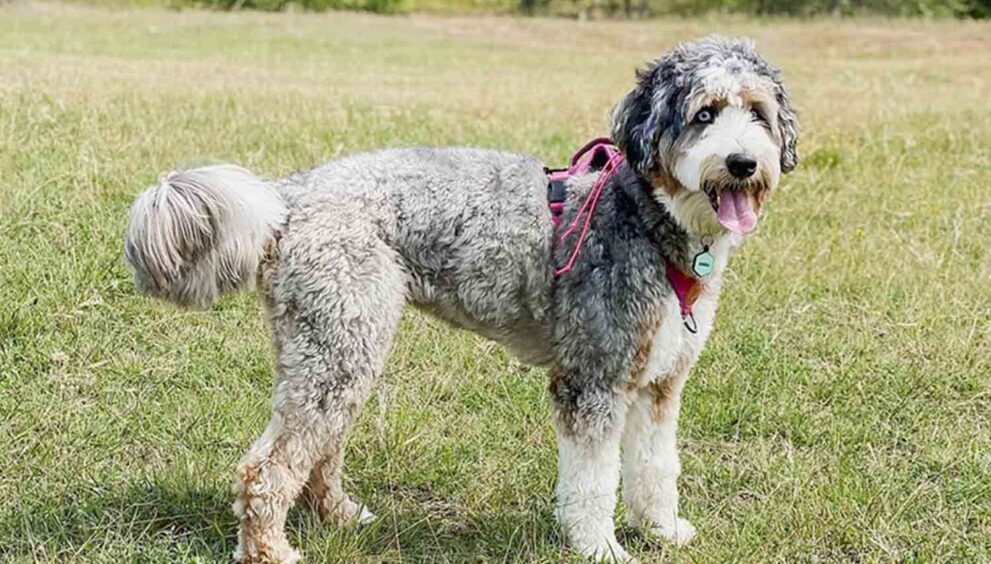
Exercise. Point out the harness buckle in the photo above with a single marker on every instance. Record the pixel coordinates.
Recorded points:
(557, 190)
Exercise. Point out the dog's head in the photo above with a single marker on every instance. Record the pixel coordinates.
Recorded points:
(710, 125)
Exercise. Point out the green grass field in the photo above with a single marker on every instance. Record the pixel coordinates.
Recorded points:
(841, 412)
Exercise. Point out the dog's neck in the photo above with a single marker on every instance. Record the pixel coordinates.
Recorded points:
(676, 243)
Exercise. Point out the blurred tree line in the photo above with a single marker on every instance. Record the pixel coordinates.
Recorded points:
(630, 8)
(936, 8)
(807, 8)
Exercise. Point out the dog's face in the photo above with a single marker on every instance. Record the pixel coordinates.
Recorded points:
(710, 125)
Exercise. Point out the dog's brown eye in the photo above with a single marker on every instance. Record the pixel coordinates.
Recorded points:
(705, 115)
(757, 116)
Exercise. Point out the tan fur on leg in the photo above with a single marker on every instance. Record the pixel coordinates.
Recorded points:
(325, 494)
(268, 480)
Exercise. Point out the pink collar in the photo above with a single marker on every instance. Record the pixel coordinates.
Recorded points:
(601, 152)
(688, 289)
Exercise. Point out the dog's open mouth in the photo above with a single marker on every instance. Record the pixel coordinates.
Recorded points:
(733, 208)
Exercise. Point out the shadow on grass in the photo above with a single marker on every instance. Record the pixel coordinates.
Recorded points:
(417, 525)
(163, 520)
(147, 519)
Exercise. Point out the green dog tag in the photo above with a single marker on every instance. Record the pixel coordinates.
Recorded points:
(703, 263)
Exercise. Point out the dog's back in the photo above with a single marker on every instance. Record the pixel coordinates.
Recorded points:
(469, 228)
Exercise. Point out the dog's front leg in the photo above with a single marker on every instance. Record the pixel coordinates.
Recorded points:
(650, 461)
(589, 431)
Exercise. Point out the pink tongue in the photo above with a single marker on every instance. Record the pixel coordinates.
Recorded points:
(735, 212)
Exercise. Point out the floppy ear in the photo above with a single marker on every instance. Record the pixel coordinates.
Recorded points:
(640, 119)
(787, 130)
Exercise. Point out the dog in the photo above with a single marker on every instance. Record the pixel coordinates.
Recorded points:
(466, 234)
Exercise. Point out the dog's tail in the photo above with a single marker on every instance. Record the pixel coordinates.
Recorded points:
(201, 232)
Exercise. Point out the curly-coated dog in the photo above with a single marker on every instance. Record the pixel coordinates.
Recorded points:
(467, 235)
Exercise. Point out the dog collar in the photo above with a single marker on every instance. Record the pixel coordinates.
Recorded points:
(602, 154)
(688, 289)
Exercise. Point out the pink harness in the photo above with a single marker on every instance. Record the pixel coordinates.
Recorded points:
(603, 155)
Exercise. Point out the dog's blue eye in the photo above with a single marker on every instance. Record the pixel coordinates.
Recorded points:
(705, 115)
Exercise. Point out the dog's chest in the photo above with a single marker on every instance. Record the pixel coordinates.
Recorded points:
(673, 347)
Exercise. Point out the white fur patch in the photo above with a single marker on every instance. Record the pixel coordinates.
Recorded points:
(650, 472)
(733, 131)
(672, 339)
(586, 496)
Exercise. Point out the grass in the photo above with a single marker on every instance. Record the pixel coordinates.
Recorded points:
(841, 412)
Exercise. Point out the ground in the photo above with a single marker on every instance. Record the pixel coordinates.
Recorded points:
(842, 411)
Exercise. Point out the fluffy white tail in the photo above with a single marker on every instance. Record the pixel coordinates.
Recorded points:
(201, 232)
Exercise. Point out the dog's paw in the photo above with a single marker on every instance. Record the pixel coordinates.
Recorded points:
(280, 553)
(615, 555)
(344, 512)
(606, 552)
(680, 532)
(364, 516)
(292, 557)
(353, 513)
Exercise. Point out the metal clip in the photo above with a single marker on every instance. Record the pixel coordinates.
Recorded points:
(690, 324)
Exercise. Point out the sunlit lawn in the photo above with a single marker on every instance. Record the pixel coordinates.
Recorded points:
(842, 411)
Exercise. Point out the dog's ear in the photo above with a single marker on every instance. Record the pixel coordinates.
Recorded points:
(787, 129)
(640, 119)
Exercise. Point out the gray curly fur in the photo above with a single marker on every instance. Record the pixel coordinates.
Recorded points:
(462, 233)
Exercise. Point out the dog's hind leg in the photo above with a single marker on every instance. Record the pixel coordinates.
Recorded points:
(325, 493)
(335, 303)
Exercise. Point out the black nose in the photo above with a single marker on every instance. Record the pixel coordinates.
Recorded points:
(741, 165)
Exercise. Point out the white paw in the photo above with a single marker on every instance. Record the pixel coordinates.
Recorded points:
(680, 532)
(609, 551)
(614, 554)
(365, 516)
(347, 512)
(292, 557)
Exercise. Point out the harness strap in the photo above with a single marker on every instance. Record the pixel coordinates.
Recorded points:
(588, 210)
(592, 156)
(601, 153)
